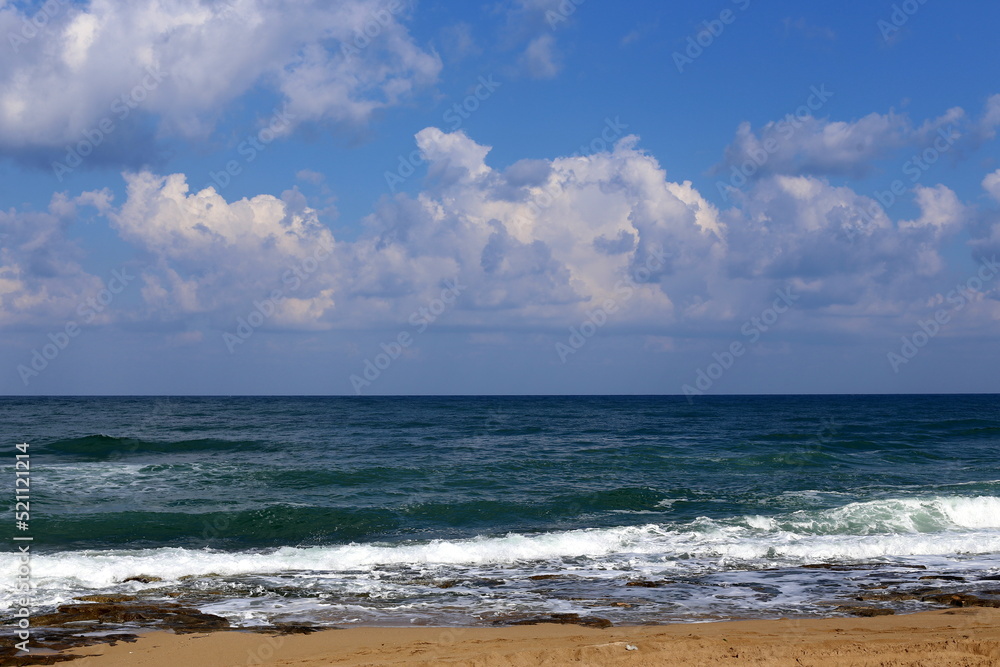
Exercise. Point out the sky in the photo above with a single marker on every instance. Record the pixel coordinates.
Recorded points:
(366, 197)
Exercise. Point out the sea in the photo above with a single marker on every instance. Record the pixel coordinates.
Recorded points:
(463, 511)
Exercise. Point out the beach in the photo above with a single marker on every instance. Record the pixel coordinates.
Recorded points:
(521, 332)
(290, 528)
(952, 637)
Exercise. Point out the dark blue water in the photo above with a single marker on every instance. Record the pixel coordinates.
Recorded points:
(431, 510)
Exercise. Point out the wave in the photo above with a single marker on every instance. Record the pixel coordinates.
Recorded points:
(882, 529)
(282, 524)
(267, 526)
(103, 447)
(638, 545)
(891, 516)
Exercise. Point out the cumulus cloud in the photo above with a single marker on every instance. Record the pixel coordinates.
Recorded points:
(535, 246)
(815, 146)
(803, 144)
(941, 212)
(532, 245)
(176, 65)
(42, 279)
(826, 241)
(207, 255)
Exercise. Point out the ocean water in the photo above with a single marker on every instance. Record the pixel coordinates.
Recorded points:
(459, 510)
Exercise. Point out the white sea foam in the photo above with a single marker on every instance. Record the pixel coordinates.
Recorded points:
(944, 526)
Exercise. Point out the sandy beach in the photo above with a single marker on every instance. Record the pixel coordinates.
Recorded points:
(952, 637)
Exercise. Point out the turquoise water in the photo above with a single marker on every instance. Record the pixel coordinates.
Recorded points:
(441, 510)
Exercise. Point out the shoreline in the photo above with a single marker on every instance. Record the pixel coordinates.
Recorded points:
(961, 636)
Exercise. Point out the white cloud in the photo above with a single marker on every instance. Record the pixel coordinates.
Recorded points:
(203, 56)
(987, 234)
(537, 246)
(211, 256)
(992, 184)
(540, 59)
(806, 145)
(310, 176)
(991, 118)
(809, 145)
(531, 27)
(941, 212)
(827, 242)
(41, 276)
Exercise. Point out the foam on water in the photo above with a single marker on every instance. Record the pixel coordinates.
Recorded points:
(948, 527)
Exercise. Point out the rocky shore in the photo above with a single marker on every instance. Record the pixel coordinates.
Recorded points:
(110, 619)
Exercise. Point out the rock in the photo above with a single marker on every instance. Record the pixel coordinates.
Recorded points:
(107, 598)
(860, 566)
(942, 577)
(84, 624)
(650, 584)
(565, 619)
(196, 622)
(288, 629)
(489, 583)
(866, 611)
(164, 614)
(543, 577)
(961, 600)
(143, 579)
(887, 597)
(55, 639)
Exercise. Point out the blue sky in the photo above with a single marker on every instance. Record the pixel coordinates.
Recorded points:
(520, 196)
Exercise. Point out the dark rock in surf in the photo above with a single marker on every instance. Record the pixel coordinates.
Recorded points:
(866, 612)
(564, 619)
(641, 583)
